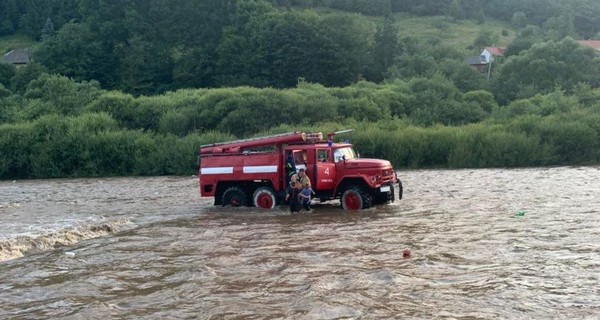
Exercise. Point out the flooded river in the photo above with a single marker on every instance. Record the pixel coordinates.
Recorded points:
(485, 244)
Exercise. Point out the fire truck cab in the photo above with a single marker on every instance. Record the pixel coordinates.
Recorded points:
(252, 172)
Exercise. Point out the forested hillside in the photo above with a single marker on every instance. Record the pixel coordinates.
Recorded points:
(120, 87)
(149, 47)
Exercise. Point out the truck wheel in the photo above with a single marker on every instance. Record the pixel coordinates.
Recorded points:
(264, 197)
(354, 198)
(234, 196)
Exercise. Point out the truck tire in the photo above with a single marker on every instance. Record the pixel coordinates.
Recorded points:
(354, 198)
(234, 196)
(264, 197)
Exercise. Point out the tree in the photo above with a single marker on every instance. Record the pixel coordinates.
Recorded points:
(436, 100)
(483, 98)
(23, 76)
(298, 47)
(198, 30)
(545, 67)
(146, 67)
(586, 17)
(519, 19)
(373, 7)
(485, 38)
(462, 75)
(76, 52)
(473, 9)
(7, 71)
(105, 25)
(265, 47)
(48, 28)
(195, 68)
(54, 94)
(455, 10)
(558, 28)
(385, 49)
(9, 17)
(524, 40)
(36, 13)
(64, 11)
(421, 7)
(352, 34)
(241, 59)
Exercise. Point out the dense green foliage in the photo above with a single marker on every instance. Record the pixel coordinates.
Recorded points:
(62, 128)
(152, 46)
(132, 87)
(545, 67)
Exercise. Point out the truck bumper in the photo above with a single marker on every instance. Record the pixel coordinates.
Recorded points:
(387, 192)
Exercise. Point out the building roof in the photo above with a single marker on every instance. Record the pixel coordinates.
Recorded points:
(590, 43)
(474, 60)
(17, 56)
(496, 51)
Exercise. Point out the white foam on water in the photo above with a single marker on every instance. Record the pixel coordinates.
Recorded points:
(16, 247)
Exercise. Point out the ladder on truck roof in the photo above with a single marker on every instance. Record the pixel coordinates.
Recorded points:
(237, 146)
(310, 136)
(240, 141)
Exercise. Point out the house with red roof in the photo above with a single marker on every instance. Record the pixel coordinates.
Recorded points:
(595, 44)
(480, 63)
(488, 54)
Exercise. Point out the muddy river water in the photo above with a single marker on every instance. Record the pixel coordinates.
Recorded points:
(485, 244)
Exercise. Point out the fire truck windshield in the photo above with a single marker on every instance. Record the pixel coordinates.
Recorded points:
(343, 153)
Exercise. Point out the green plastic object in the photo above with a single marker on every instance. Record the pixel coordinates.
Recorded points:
(520, 213)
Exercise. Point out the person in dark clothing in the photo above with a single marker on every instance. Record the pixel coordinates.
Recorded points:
(290, 168)
(292, 196)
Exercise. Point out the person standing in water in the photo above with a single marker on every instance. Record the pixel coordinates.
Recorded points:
(292, 196)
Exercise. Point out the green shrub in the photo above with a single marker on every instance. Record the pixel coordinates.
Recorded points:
(15, 149)
(118, 105)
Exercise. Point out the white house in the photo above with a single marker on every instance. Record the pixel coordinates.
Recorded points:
(488, 54)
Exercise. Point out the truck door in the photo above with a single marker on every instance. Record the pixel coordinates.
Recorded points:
(325, 171)
(304, 162)
(300, 159)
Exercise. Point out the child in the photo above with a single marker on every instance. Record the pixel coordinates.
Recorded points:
(292, 196)
(305, 196)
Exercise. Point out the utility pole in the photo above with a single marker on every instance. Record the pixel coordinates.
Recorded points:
(490, 67)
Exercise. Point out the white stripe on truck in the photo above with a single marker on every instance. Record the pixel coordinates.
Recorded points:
(246, 169)
(217, 170)
(260, 169)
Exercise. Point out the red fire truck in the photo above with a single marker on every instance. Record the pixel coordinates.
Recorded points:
(251, 172)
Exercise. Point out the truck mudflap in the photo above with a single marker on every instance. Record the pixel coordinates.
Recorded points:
(400, 190)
